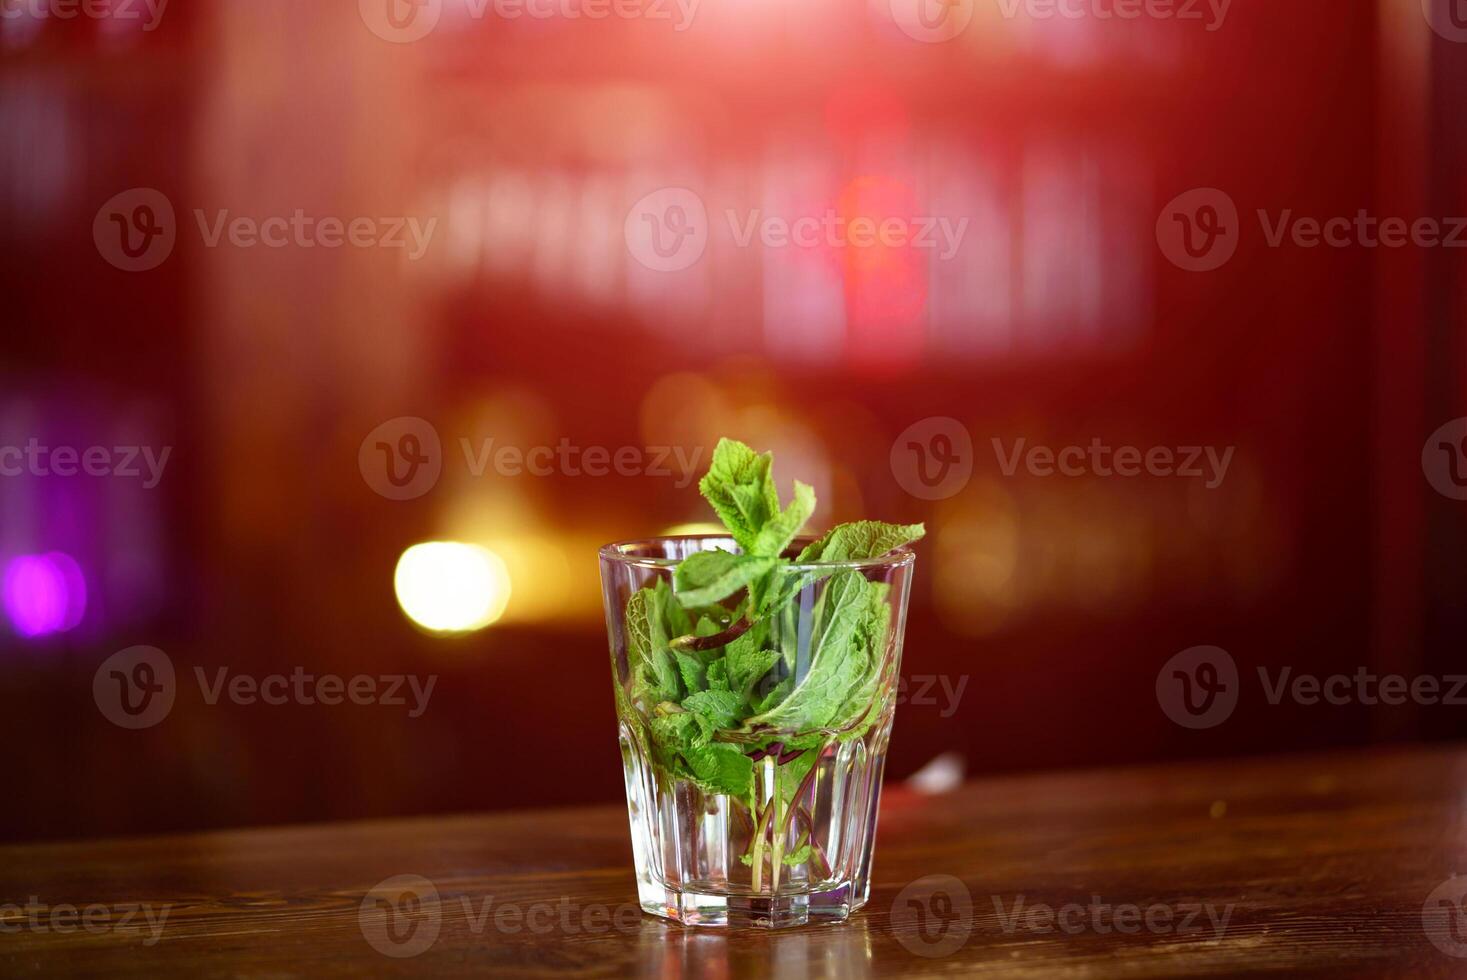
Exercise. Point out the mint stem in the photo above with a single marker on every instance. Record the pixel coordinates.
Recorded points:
(692, 642)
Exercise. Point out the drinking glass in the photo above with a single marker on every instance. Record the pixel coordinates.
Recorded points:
(798, 848)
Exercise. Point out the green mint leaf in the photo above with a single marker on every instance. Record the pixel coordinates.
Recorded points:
(710, 576)
(676, 732)
(648, 651)
(765, 700)
(749, 659)
(856, 714)
(797, 857)
(861, 540)
(837, 665)
(721, 769)
(741, 491)
(694, 672)
(776, 535)
(718, 675)
(675, 619)
(713, 710)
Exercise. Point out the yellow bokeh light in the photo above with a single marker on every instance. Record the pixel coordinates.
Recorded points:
(696, 527)
(450, 587)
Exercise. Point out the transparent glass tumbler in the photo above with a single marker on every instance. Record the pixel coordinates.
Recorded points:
(796, 846)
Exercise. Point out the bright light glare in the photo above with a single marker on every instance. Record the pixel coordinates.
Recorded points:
(447, 587)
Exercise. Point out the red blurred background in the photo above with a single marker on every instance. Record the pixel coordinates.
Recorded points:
(529, 321)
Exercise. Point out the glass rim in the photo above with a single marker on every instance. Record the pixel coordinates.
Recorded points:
(615, 551)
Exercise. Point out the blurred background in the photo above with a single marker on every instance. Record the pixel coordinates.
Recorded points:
(312, 412)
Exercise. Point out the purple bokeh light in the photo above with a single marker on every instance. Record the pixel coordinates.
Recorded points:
(44, 594)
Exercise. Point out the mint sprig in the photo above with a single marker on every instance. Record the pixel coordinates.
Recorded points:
(730, 672)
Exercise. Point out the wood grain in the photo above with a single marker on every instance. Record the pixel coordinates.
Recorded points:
(1320, 865)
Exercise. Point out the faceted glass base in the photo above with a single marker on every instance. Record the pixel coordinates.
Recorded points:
(780, 912)
(701, 862)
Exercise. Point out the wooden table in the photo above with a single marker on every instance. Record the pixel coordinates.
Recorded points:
(1336, 864)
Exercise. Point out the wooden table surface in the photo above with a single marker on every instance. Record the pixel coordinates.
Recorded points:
(1337, 864)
